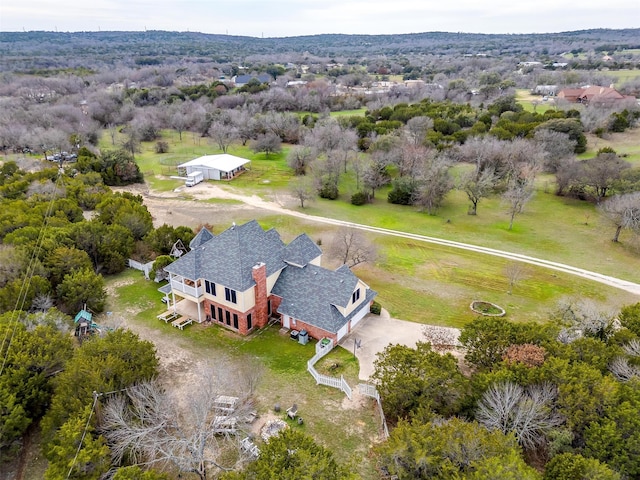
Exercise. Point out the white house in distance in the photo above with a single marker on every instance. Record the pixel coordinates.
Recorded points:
(215, 167)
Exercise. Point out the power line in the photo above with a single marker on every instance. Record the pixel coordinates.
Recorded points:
(24, 289)
(84, 433)
(96, 395)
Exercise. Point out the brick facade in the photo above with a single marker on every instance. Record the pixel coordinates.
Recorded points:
(259, 274)
(242, 317)
(315, 332)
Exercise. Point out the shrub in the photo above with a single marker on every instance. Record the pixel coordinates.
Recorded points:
(403, 191)
(328, 190)
(375, 308)
(162, 147)
(359, 198)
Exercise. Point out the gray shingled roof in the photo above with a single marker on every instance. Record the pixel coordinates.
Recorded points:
(301, 251)
(310, 293)
(227, 259)
(202, 237)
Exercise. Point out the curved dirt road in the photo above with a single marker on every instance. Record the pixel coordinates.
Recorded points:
(207, 190)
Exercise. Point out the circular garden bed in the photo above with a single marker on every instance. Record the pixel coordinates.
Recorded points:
(487, 309)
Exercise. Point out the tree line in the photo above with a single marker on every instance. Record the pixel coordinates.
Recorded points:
(552, 401)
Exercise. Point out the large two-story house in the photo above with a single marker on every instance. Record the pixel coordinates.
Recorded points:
(245, 276)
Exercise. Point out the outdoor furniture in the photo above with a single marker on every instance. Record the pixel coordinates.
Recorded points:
(168, 316)
(182, 322)
(224, 424)
(247, 446)
(225, 403)
(292, 412)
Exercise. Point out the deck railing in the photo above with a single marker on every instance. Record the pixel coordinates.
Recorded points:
(184, 288)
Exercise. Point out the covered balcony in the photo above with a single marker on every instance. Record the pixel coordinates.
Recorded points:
(186, 286)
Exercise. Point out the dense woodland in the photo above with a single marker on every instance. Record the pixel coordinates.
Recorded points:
(555, 402)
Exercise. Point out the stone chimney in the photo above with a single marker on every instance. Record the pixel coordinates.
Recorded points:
(259, 275)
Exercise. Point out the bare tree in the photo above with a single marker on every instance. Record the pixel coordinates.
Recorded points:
(477, 185)
(514, 271)
(223, 134)
(299, 159)
(413, 158)
(375, 174)
(600, 173)
(529, 414)
(268, 143)
(417, 128)
(148, 426)
(584, 317)
(179, 119)
(302, 188)
(434, 184)
(351, 247)
(622, 370)
(518, 194)
(623, 211)
(557, 146)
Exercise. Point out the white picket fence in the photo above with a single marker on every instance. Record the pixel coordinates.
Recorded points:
(143, 267)
(320, 379)
(372, 391)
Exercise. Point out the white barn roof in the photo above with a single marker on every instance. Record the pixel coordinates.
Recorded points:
(223, 162)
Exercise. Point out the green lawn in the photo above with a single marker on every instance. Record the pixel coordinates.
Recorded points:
(622, 76)
(349, 113)
(284, 380)
(441, 282)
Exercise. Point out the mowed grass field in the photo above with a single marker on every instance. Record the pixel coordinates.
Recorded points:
(433, 284)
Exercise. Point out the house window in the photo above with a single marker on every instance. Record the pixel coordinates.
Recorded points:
(210, 287)
(356, 296)
(228, 317)
(220, 317)
(213, 312)
(249, 325)
(230, 295)
(268, 307)
(235, 320)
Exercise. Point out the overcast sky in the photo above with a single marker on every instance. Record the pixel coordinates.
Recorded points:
(282, 18)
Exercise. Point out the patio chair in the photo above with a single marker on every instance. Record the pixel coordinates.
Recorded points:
(292, 412)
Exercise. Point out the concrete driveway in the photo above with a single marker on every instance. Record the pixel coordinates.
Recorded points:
(375, 332)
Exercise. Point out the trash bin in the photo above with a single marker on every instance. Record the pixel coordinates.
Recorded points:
(303, 337)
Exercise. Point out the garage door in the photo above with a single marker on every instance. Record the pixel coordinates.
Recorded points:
(360, 315)
(343, 331)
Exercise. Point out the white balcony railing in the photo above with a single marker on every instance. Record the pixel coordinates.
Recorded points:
(184, 288)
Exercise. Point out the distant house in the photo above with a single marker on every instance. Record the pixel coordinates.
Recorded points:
(594, 95)
(242, 80)
(215, 167)
(246, 277)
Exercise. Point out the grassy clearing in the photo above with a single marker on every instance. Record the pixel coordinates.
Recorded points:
(349, 113)
(554, 228)
(626, 144)
(285, 379)
(533, 103)
(622, 76)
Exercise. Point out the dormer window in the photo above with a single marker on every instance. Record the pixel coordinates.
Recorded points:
(356, 296)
